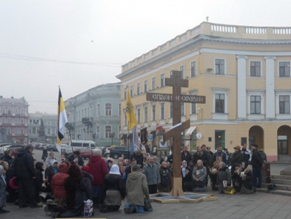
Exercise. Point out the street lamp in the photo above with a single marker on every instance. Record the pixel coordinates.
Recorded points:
(111, 135)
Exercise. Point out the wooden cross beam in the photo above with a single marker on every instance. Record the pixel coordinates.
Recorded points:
(176, 98)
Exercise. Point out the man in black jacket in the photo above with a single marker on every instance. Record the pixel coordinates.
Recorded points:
(25, 173)
(246, 153)
(257, 162)
(185, 155)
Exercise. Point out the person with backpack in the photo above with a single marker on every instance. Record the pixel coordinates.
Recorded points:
(166, 178)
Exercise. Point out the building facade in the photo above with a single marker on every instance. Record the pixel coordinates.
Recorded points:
(13, 120)
(244, 73)
(42, 128)
(95, 115)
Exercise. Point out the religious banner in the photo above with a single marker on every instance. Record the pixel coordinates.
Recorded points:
(144, 136)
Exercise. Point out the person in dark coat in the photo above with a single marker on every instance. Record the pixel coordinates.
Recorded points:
(7, 157)
(200, 155)
(257, 162)
(166, 178)
(75, 190)
(246, 153)
(44, 154)
(114, 188)
(25, 173)
(38, 180)
(185, 155)
(186, 173)
(138, 156)
(13, 193)
(87, 180)
(49, 173)
(246, 179)
(219, 155)
(76, 156)
(237, 158)
(223, 175)
(2, 190)
(213, 172)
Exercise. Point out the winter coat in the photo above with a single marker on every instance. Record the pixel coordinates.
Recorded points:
(236, 158)
(38, 181)
(71, 158)
(86, 182)
(50, 161)
(247, 180)
(151, 171)
(257, 160)
(98, 169)
(8, 159)
(199, 173)
(223, 174)
(136, 188)
(220, 154)
(246, 155)
(186, 156)
(58, 181)
(49, 173)
(114, 182)
(2, 193)
(202, 157)
(166, 179)
(139, 159)
(24, 165)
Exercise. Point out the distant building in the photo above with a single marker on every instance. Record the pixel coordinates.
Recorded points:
(42, 128)
(13, 120)
(95, 115)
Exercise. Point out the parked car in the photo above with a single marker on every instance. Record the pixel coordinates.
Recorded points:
(52, 147)
(119, 151)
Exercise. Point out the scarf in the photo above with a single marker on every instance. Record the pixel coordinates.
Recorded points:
(1, 175)
(114, 170)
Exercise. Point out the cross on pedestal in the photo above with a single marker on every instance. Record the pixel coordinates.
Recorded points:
(175, 132)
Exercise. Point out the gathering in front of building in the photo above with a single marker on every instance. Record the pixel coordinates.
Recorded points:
(235, 105)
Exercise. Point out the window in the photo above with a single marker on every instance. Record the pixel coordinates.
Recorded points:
(125, 119)
(16, 121)
(33, 130)
(153, 83)
(219, 103)
(9, 111)
(284, 104)
(119, 109)
(219, 138)
(8, 131)
(193, 69)
(182, 69)
(8, 121)
(107, 131)
(124, 94)
(255, 104)
(15, 131)
(138, 115)
(162, 110)
(145, 114)
(171, 73)
(153, 112)
(48, 131)
(131, 91)
(193, 108)
(284, 69)
(219, 66)
(145, 86)
(22, 121)
(138, 89)
(108, 109)
(255, 68)
(162, 80)
(182, 109)
(171, 110)
(97, 129)
(98, 110)
(3, 121)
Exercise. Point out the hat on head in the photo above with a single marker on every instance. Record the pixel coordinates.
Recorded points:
(237, 147)
(184, 161)
(255, 145)
(133, 159)
(136, 167)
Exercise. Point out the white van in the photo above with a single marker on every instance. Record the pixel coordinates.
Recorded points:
(84, 146)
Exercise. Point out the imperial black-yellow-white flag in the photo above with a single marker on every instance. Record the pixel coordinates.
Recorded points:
(62, 120)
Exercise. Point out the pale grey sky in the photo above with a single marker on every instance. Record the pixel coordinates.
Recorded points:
(50, 43)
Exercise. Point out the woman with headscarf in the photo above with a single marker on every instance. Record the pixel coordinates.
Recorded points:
(115, 190)
(2, 190)
(74, 189)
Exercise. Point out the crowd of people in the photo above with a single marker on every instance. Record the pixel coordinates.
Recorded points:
(106, 183)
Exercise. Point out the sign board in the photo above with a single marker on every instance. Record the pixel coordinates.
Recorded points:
(173, 97)
(151, 137)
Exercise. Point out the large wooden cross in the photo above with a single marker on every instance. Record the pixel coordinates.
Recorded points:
(175, 132)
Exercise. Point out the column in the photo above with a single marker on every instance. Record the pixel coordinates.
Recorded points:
(270, 87)
(241, 87)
